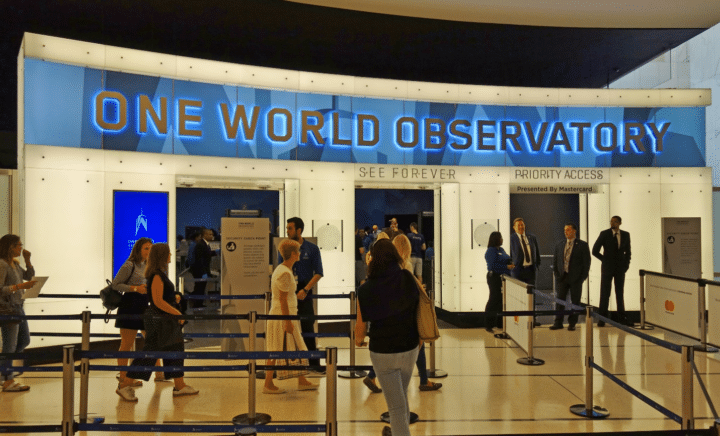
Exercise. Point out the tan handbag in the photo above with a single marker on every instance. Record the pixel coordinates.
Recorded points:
(426, 317)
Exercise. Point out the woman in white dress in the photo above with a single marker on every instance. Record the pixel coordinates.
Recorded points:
(284, 302)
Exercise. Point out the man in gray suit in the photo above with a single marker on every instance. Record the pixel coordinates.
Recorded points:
(571, 265)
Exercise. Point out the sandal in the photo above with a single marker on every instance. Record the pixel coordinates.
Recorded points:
(15, 387)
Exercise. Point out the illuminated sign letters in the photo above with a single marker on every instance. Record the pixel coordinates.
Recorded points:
(281, 125)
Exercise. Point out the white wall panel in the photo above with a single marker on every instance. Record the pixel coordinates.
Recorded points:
(65, 232)
(43, 306)
(639, 207)
(428, 91)
(139, 61)
(209, 71)
(326, 83)
(5, 203)
(479, 201)
(323, 199)
(622, 176)
(64, 50)
(450, 227)
(686, 175)
(692, 200)
(144, 163)
(66, 158)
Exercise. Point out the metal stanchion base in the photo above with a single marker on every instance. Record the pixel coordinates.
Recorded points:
(351, 374)
(385, 417)
(530, 361)
(502, 335)
(244, 419)
(436, 373)
(597, 412)
(705, 348)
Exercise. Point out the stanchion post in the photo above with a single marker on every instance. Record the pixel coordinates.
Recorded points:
(84, 367)
(588, 410)
(688, 422)
(433, 372)
(353, 311)
(589, 359)
(642, 299)
(530, 359)
(331, 392)
(181, 284)
(68, 425)
(252, 418)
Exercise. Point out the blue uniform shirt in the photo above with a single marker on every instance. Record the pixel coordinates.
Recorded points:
(309, 264)
(416, 242)
(497, 260)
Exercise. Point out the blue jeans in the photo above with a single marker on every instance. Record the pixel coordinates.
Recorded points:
(394, 372)
(15, 338)
(421, 364)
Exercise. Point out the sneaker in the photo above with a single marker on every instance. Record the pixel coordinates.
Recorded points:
(127, 393)
(187, 390)
(431, 387)
(367, 381)
(273, 391)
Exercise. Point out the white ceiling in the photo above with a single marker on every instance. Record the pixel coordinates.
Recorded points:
(631, 14)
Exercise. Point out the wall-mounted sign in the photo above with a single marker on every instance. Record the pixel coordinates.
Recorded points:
(83, 107)
(682, 251)
(553, 189)
(137, 215)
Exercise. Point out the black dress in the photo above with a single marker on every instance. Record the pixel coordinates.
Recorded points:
(162, 333)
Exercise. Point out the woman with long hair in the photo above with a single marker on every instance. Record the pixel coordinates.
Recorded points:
(498, 263)
(404, 248)
(130, 281)
(284, 302)
(388, 300)
(162, 329)
(15, 336)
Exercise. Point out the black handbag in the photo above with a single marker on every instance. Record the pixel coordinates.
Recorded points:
(162, 328)
(7, 310)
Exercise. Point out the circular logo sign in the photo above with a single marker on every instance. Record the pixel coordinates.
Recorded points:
(230, 246)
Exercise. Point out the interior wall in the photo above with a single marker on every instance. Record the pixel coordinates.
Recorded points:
(5, 203)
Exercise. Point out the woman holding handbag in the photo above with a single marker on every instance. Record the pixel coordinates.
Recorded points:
(130, 281)
(404, 248)
(284, 302)
(163, 330)
(15, 335)
(388, 300)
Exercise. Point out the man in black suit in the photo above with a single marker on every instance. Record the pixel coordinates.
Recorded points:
(615, 258)
(201, 265)
(571, 264)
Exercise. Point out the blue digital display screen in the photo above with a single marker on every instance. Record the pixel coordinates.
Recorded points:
(136, 215)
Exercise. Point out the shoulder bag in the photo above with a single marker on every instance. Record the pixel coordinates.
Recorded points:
(426, 317)
(110, 297)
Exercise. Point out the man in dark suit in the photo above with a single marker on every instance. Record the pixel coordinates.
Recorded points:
(525, 254)
(201, 265)
(615, 258)
(571, 265)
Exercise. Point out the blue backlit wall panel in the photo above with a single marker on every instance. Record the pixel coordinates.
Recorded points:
(82, 107)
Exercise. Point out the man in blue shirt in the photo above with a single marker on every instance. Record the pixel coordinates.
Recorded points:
(308, 271)
(417, 242)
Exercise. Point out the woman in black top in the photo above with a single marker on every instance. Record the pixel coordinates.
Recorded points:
(388, 300)
(162, 331)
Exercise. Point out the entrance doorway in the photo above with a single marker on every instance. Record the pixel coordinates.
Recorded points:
(545, 216)
(378, 206)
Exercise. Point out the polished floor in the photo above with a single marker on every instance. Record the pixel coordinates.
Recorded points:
(486, 391)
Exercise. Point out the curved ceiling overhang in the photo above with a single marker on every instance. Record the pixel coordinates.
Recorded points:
(629, 14)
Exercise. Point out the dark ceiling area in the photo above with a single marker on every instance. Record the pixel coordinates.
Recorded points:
(279, 34)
